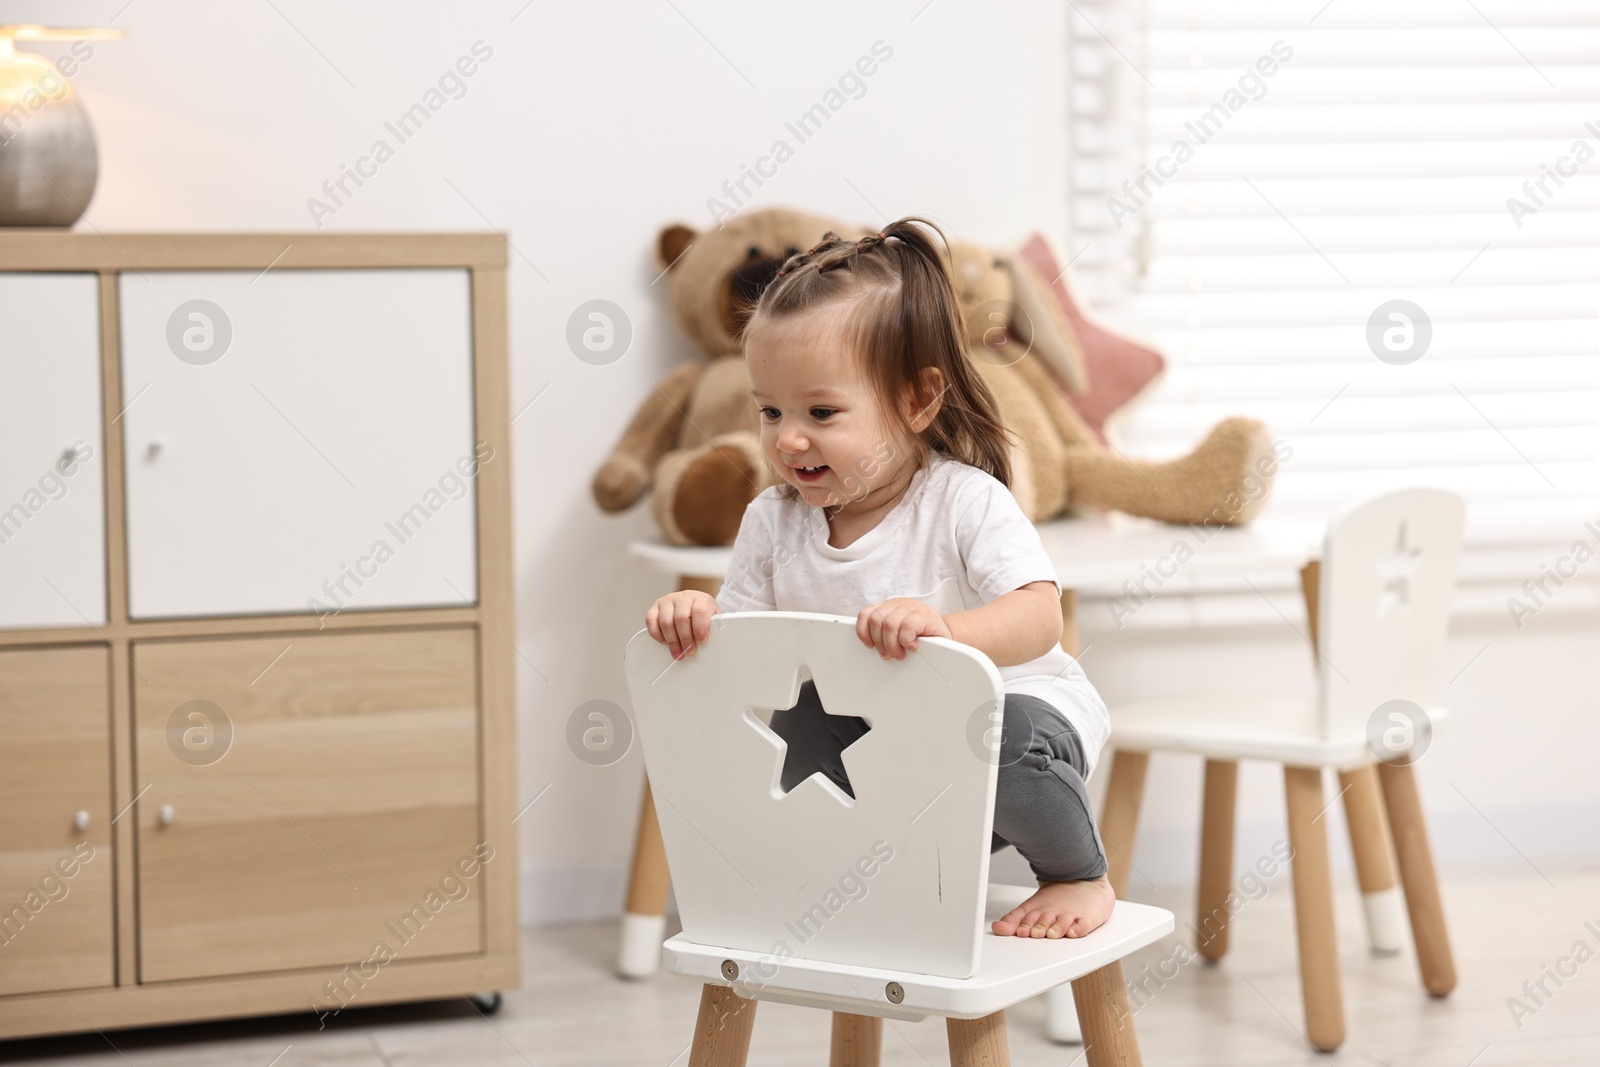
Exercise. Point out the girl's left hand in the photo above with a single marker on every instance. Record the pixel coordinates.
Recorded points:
(894, 626)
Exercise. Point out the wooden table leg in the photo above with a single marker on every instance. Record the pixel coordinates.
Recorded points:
(1061, 1016)
(1313, 909)
(722, 1032)
(978, 1042)
(1369, 841)
(1069, 622)
(857, 1040)
(644, 917)
(1416, 873)
(1109, 1039)
(1311, 592)
(1216, 858)
(1120, 819)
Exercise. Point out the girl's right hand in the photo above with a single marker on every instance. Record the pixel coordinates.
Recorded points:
(682, 620)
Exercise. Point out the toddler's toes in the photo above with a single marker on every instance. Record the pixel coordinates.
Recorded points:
(1006, 925)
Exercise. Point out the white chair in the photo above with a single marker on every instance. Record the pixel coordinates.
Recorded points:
(1378, 604)
(874, 907)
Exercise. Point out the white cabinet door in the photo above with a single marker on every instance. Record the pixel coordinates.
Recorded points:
(298, 440)
(52, 486)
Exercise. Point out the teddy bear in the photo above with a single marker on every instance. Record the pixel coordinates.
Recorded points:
(695, 441)
(1029, 356)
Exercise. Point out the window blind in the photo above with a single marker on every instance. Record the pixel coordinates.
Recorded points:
(1260, 188)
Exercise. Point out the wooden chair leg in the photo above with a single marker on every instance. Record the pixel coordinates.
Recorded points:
(978, 1042)
(857, 1040)
(1313, 909)
(1120, 819)
(1416, 873)
(722, 1031)
(1109, 1039)
(644, 919)
(1216, 858)
(1369, 841)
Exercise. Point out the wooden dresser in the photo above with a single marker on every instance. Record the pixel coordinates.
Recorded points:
(257, 678)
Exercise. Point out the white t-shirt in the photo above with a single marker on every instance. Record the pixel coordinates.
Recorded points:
(955, 541)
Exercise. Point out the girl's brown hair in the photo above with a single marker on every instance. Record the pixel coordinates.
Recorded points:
(905, 319)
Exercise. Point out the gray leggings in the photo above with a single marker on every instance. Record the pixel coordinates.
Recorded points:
(1040, 803)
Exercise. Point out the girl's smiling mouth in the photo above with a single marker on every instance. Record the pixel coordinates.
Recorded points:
(810, 474)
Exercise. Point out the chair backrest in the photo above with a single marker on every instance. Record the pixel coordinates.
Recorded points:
(1388, 570)
(894, 878)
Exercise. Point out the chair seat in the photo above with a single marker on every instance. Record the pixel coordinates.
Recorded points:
(1241, 725)
(1010, 969)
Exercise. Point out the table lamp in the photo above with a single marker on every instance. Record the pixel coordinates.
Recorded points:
(48, 162)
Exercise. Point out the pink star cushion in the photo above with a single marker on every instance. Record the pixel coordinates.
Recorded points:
(1118, 368)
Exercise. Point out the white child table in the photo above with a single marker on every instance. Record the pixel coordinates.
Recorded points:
(1099, 552)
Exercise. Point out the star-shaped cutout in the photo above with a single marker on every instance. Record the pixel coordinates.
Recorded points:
(1396, 568)
(809, 744)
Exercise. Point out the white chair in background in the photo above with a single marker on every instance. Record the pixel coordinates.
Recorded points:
(1379, 606)
(871, 907)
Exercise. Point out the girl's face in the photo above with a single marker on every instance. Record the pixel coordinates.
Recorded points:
(822, 427)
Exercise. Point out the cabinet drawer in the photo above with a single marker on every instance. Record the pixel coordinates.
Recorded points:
(52, 491)
(302, 441)
(308, 798)
(55, 763)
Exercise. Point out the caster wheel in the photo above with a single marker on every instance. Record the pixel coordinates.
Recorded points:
(488, 1003)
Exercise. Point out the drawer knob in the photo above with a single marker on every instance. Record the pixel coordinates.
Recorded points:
(166, 815)
(80, 820)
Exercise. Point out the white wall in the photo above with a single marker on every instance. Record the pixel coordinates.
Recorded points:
(590, 127)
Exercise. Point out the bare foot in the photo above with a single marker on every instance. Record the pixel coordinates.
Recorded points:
(1060, 909)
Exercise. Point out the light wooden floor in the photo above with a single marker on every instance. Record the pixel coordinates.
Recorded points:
(1506, 924)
